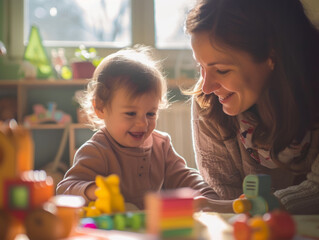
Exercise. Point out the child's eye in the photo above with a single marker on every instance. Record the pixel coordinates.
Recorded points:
(151, 114)
(130, 114)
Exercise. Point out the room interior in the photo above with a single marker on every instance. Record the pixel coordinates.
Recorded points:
(55, 142)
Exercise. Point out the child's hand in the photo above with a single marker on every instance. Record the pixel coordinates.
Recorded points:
(90, 192)
(206, 204)
(131, 207)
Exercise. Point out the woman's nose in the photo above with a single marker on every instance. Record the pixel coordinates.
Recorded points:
(209, 84)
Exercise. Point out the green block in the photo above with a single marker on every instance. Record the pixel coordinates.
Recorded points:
(177, 232)
(19, 196)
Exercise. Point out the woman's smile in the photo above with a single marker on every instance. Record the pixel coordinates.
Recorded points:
(225, 99)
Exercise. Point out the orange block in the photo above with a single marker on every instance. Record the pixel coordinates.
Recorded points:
(177, 212)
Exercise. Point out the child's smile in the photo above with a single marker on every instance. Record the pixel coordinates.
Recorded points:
(137, 135)
(131, 121)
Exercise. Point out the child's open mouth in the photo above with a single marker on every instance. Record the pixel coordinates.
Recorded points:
(137, 135)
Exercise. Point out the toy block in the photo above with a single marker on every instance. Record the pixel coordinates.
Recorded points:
(170, 213)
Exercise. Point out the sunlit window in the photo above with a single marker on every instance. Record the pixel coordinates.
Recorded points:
(72, 22)
(108, 23)
(169, 23)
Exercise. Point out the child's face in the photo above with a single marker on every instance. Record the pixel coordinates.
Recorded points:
(130, 121)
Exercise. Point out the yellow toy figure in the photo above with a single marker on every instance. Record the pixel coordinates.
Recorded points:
(103, 201)
(117, 199)
(109, 198)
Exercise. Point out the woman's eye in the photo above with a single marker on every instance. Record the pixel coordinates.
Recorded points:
(222, 71)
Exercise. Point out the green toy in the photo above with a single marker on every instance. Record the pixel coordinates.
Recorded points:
(257, 198)
(36, 54)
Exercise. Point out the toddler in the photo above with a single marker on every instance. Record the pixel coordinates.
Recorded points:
(122, 100)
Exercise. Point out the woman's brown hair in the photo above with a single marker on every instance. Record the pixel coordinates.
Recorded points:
(278, 28)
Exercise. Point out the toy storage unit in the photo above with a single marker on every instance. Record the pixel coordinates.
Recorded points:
(47, 136)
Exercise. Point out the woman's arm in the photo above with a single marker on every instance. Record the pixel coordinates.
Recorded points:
(302, 198)
(211, 205)
(216, 159)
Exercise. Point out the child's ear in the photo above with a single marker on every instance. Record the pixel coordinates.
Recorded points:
(99, 111)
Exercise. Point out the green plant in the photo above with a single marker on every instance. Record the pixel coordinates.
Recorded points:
(88, 55)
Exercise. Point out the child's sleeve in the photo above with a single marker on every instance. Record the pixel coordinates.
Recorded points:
(178, 175)
(88, 162)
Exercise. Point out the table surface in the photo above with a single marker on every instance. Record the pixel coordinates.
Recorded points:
(217, 226)
(209, 225)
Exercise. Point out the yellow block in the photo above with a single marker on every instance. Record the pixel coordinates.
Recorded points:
(177, 222)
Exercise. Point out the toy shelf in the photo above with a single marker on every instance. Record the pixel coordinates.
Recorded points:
(47, 137)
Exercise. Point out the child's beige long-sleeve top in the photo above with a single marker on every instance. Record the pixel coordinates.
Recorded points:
(152, 167)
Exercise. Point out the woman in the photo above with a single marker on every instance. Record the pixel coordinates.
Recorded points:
(255, 107)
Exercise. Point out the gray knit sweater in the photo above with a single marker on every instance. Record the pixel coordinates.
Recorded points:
(224, 164)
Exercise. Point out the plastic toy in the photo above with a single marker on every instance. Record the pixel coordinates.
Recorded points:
(170, 213)
(257, 197)
(275, 225)
(27, 204)
(42, 115)
(36, 54)
(128, 221)
(107, 212)
(109, 198)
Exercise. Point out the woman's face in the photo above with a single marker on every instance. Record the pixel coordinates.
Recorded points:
(231, 75)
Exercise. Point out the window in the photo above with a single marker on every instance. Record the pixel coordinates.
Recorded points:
(169, 23)
(156, 23)
(70, 23)
(105, 23)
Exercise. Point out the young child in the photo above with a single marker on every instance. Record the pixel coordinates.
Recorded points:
(122, 100)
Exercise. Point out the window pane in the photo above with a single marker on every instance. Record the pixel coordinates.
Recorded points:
(169, 23)
(71, 22)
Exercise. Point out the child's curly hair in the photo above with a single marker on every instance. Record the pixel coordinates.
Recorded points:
(131, 68)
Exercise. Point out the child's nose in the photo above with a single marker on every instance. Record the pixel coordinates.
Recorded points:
(142, 121)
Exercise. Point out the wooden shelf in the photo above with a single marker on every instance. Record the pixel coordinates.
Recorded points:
(183, 82)
(30, 92)
(37, 82)
(57, 126)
